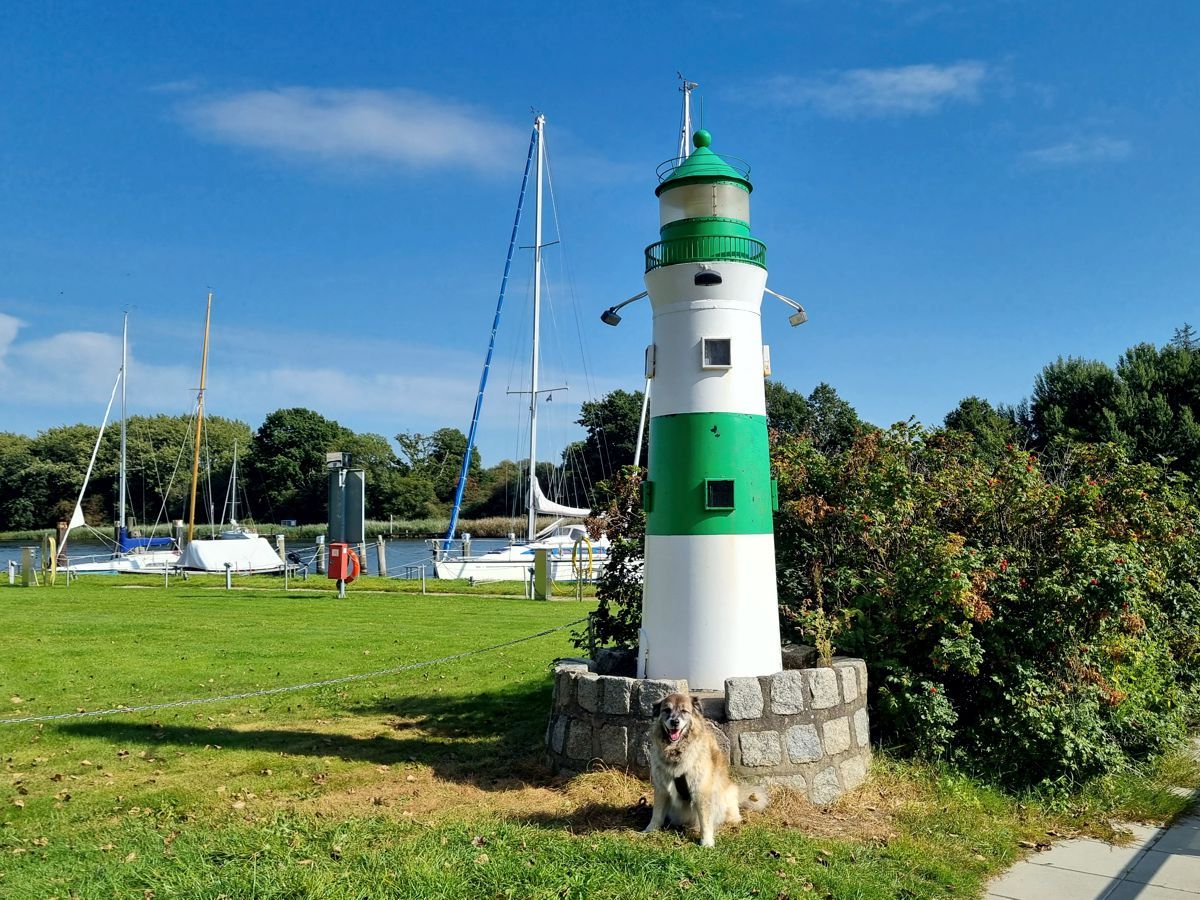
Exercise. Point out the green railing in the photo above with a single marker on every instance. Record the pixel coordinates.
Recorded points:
(704, 248)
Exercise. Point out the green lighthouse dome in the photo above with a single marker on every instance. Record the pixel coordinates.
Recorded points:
(705, 167)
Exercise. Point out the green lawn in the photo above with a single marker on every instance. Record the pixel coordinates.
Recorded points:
(425, 783)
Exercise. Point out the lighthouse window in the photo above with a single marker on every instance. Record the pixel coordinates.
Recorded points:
(718, 493)
(717, 353)
(707, 278)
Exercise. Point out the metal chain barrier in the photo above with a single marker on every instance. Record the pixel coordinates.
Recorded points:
(266, 692)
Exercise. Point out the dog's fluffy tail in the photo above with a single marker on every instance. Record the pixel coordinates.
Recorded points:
(752, 797)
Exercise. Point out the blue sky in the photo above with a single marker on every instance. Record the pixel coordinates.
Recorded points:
(957, 192)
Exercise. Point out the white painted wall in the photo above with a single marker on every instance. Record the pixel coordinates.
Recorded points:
(711, 608)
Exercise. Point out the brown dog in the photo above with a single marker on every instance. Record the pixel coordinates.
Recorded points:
(690, 772)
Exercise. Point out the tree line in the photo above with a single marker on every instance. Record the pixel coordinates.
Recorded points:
(282, 468)
(1148, 404)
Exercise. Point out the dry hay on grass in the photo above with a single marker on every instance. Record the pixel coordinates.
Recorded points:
(600, 800)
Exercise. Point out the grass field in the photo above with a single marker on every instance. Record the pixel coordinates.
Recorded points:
(423, 783)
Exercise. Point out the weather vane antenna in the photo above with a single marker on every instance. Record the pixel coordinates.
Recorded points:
(685, 128)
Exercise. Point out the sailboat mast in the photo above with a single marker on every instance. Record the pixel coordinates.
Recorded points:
(233, 489)
(199, 421)
(124, 379)
(539, 127)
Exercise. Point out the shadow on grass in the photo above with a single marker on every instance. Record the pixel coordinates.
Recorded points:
(590, 818)
(492, 740)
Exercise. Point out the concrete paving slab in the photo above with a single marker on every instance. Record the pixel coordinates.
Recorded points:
(1142, 834)
(1180, 838)
(1093, 857)
(1167, 870)
(1026, 882)
(1127, 890)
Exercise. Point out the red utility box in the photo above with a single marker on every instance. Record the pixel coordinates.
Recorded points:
(343, 562)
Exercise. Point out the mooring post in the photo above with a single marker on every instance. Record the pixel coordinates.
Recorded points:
(422, 579)
(381, 556)
(320, 554)
(27, 566)
(229, 576)
(12, 571)
(166, 576)
(281, 549)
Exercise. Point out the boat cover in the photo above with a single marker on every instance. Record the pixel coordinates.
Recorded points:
(255, 555)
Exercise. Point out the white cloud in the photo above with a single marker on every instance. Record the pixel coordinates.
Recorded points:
(1080, 151)
(917, 90)
(397, 127)
(9, 326)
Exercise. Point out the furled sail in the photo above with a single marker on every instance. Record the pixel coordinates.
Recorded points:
(77, 515)
(547, 507)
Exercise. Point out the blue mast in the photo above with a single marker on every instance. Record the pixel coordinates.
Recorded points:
(487, 363)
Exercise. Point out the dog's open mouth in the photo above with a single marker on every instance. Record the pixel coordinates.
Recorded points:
(673, 736)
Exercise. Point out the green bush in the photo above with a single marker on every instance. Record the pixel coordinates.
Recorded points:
(1034, 620)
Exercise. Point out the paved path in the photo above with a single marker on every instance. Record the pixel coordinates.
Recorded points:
(1160, 864)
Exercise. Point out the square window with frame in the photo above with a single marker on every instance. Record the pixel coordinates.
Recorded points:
(716, 353)
(718, 493)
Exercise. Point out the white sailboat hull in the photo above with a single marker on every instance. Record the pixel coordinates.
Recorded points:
(149, 561)
(568, 562)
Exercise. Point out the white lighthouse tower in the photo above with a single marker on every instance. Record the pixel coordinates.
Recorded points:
(709, 608)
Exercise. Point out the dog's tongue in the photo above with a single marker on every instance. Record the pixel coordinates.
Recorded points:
(674, 735)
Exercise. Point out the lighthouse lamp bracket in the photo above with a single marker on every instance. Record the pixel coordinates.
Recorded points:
(610, 316)
(799, 317)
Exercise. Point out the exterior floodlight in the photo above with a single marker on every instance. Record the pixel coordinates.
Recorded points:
(799, 317)
(610, 317)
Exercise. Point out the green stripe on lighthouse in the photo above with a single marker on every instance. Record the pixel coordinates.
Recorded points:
(687, 451)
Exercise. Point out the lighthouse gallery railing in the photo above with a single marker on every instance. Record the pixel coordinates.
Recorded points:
(705, 248)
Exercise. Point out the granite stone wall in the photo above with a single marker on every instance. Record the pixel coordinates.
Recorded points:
(803, 728)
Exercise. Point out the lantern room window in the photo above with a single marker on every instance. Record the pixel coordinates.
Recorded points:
(694, 201)
(716, 353)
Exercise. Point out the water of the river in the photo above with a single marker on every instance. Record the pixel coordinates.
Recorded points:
(404, 558)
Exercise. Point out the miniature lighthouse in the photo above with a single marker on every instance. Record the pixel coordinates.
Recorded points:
(709, 607)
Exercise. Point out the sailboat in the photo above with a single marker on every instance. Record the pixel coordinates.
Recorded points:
(246, 552)
(571, 553)
(236, 531)
(130, 554)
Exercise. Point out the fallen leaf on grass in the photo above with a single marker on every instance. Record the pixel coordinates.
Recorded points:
(15, 699)
(18, 802)
(131, 857)
(86, 762)
(478, 841)
(106, 847)
(304, 862)
(481, 859)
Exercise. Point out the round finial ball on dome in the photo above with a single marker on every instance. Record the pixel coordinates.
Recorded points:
(701, 138)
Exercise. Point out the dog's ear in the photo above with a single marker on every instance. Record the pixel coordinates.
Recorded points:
(657, 711)
(697, 709)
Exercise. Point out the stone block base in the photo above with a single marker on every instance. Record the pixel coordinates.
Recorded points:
(805, 729)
